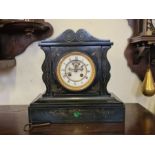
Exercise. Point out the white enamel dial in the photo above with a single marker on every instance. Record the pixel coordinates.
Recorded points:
(75, 71)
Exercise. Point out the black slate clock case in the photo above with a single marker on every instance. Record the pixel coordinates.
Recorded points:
(94, 104)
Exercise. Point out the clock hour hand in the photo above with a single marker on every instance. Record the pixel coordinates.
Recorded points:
(75, 69)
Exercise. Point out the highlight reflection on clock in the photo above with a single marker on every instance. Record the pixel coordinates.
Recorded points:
(76, 71)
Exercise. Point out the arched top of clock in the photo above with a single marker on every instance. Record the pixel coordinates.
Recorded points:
(69, 37)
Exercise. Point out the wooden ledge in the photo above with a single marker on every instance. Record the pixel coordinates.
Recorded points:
(6, 64)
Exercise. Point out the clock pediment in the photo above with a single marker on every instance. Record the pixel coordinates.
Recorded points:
(80, 36)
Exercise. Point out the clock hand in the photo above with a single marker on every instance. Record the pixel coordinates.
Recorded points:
(75, 69)
(82, 67)
(71, 69)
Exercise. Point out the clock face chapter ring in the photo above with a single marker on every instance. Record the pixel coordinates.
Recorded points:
(75, 71)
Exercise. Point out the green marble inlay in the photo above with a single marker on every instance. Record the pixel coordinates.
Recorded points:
(77, 114)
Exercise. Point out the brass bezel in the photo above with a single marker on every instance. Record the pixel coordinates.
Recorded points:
(72, 88)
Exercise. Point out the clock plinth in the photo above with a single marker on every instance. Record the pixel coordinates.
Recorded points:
(77, 110)
(76, 72)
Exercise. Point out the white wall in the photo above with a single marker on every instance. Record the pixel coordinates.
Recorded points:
(23, 83)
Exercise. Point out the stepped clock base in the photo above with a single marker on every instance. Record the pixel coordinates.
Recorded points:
(76, 110)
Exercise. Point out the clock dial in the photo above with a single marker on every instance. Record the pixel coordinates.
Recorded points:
(76, 71)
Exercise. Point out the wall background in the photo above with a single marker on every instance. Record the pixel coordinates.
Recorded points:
(23, 83)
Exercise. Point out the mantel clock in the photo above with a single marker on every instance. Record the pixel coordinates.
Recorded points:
(76, 72)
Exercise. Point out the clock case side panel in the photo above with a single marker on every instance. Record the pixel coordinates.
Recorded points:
(46, 68)
(105, 71)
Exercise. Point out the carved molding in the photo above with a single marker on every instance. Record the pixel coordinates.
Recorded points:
(71, 37)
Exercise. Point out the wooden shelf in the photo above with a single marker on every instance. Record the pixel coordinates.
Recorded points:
(5, 64)
(17, 35)
(22, 26)
(142, 39)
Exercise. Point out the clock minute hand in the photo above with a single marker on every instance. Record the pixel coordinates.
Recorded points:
(75, 69)
(71, 69)
(81, 68)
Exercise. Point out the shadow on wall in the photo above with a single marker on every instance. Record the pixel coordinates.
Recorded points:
(7, 84)
(23, 83)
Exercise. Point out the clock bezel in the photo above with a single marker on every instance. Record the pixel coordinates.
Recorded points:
(77, 88)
